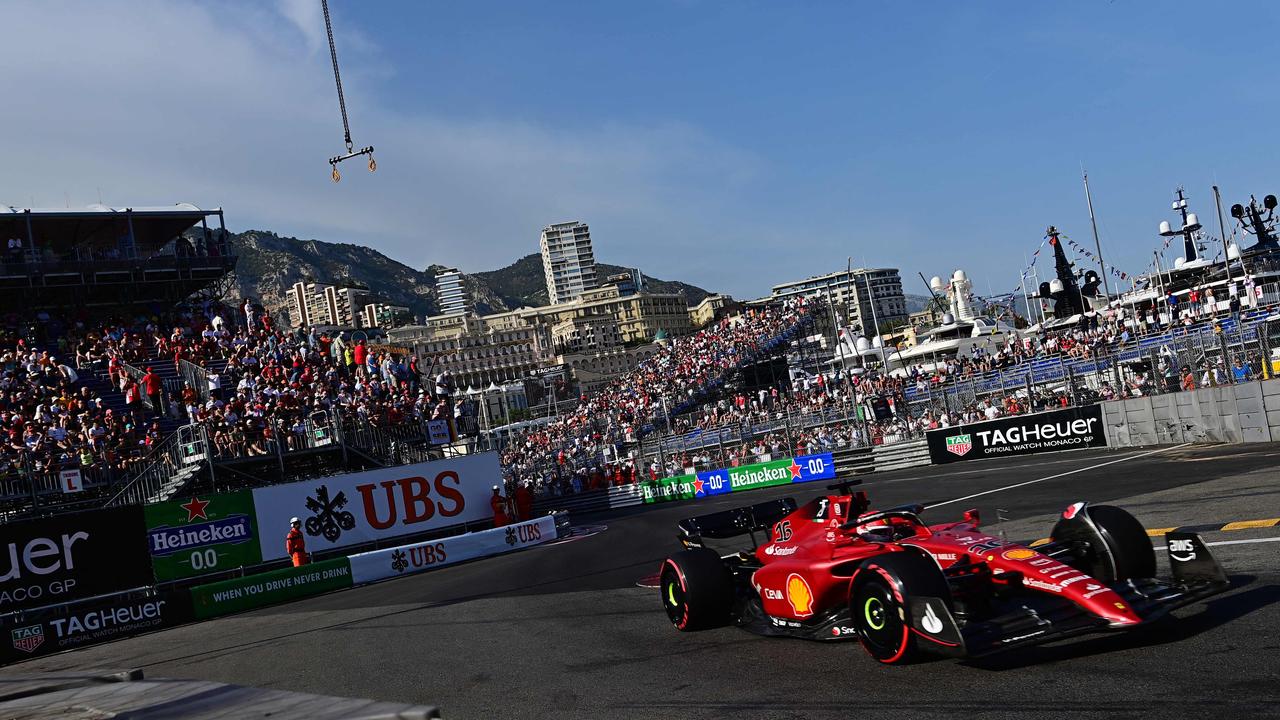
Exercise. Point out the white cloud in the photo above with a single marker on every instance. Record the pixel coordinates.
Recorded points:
(161, 102)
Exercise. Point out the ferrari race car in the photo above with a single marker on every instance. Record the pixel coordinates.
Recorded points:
(835, 570)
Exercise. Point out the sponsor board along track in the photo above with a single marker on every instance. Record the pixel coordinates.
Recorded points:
(563, 631)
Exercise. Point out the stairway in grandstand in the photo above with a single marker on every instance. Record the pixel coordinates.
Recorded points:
(113, 399)
(768, 346)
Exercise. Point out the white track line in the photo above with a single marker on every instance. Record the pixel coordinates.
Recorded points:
(1054, 477)
(1232, 542)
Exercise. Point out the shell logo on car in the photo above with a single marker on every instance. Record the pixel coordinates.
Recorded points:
(799, 595)
(1019, 554)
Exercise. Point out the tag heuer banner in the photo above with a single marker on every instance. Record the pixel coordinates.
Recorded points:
(59, 559)
(362, 507)
(1067, 429)
(90, 623)
(203, 534)
(804, 468)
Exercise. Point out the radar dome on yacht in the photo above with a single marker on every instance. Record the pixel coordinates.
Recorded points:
(1164, 228)
(862, 344)
(877, 342)
(1055, 286)
(935, 283)
(948, 318)
(1233, 251)
(1179, 262)
(1193, 222)
(958, 275)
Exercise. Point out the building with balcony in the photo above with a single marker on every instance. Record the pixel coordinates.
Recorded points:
(850, 293)
(320, 304)
(567, 261)
(451, 294)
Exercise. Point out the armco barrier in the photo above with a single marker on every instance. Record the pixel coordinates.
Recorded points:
(911, 453)
(268, 588)
(429, 555)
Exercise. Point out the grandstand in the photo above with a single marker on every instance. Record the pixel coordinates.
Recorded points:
(127, 379)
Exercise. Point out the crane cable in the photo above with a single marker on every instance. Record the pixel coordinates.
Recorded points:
(342, 105)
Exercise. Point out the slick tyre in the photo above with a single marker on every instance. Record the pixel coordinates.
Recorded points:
(880, 620)
(697, 589)
(879, 603)
(1127, 540)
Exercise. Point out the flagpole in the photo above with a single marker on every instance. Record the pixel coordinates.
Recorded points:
(1096, 242)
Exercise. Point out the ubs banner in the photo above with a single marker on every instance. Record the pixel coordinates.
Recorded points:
(1068, 429)
(64, 558)
(361, 507)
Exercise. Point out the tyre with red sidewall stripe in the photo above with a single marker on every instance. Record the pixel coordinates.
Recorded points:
(696, 589)
(879, 602)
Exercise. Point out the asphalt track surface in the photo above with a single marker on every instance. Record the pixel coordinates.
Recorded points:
(563, 631)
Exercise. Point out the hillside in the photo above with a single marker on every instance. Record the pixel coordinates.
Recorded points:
(270, 264)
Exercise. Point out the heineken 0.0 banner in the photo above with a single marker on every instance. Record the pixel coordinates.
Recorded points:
(805, 468)
(268, 588)
(202, 535)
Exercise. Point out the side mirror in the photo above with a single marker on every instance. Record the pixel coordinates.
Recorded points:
(972, 517)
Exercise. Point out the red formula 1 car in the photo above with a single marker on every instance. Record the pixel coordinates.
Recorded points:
(833, 570)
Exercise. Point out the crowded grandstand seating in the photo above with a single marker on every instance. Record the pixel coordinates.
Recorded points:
(680, 378)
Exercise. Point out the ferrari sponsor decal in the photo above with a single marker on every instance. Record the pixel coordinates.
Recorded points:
(799, 595)
(1041, 585)
(959, 444)
(1182, 550)
(840, 630)
(945, 556)
(931, 623)
(1018, 554)
(780, 550)
(987, 545)
(771, 594)
(1091, 593)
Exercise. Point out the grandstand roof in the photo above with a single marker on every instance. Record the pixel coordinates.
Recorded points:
(99, 225)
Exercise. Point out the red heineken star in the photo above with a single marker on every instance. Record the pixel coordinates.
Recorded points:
(697, 487)
(795, 469)
(195, 509)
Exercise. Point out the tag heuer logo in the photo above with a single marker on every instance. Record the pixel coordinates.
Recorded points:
(27, 639)
(959, 444)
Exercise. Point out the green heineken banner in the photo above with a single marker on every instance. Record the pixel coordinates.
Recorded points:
(202, 535)
(268, 588)
(786, 471)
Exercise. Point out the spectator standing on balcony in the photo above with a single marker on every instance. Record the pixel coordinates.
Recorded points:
(151, 384)
(248, 313)
(295, 544)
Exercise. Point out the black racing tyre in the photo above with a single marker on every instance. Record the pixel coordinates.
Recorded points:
(1127, 540)
(883, 615)
(881, 621)
(696, 589)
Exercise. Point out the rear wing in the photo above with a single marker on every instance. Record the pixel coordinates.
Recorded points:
(731, 523)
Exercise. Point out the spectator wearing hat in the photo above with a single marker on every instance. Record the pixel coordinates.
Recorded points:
(295, 544)
(499, 504)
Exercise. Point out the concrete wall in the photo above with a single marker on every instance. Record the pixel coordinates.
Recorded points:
(1249, 412)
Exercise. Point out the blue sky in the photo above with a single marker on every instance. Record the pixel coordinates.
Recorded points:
(732, 145)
